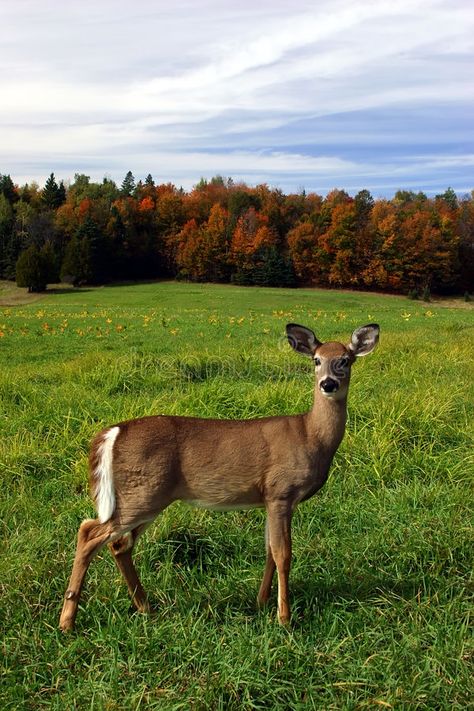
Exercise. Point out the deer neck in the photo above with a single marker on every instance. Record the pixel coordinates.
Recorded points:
(326, 421)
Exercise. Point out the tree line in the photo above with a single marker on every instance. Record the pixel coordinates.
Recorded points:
(221, 231)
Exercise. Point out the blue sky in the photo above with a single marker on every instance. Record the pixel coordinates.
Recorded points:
(314, 95)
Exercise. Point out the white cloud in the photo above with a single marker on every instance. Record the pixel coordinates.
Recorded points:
(115, 84)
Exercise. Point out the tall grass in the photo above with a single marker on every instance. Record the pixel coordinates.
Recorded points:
(382, 556)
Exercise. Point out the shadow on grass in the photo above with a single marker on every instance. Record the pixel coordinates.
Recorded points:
(310, 596)
(67, 290)
(191, 550)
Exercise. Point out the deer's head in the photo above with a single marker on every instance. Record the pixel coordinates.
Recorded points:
(332, 360)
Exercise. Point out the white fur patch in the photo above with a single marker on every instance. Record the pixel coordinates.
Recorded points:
(105, 493)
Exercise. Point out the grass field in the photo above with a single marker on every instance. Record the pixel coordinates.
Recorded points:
(382, 556)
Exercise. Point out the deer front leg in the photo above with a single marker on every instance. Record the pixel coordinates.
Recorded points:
(279, 538)
(266, 586)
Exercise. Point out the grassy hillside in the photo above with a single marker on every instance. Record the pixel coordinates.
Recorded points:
(382, 556)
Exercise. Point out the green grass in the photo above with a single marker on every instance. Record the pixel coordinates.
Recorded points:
(382, 556)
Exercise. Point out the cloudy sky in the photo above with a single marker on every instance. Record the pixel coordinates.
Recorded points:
(352, 94)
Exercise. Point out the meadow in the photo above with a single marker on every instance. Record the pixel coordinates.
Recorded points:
(381, 578)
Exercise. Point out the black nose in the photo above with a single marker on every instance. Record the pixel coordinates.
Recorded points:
(329, 385)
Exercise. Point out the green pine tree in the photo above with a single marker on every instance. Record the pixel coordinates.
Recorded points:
(128, 184)
(34, 268)
(272, 268)
(52, 194)
(76, 268)
(7, 266)
(7, 188)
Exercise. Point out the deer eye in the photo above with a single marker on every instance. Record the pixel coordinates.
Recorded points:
(343, 362)
(317, 361)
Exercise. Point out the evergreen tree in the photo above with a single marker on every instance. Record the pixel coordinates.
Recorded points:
(364, 203)
(97, 250)
(87, 256)
(40, 228)
(7, 188)
(61, 193)
(149, 182)
(36, 267)
(128, 184)
(11, 251)
(76, 268)
(6, 237)
(50, 262)
(117, 232)
(273, 268)
(450, 198)
(16, 240)
(52, 194)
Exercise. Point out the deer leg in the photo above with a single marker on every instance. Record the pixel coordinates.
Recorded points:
(122, 549)
(91, 536)
(266, 586)
(279, 530)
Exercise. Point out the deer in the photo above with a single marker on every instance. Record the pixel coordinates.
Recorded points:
(138, 467)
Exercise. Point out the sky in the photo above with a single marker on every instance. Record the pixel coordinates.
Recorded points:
(349, 94)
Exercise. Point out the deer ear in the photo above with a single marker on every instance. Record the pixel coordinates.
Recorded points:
(302, 339)
(364, 339)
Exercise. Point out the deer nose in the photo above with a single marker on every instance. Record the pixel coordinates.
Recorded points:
(329, 385)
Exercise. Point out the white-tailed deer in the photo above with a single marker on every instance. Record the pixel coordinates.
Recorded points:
(139, 467)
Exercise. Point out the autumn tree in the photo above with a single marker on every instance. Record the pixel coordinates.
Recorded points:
(188, 248)
(216, 245)
(310, 258)
(171, 213)
(339, 244)
(384, 269)
(202, 251)
(430, 250)
(256, 252)
(204, 196)
(305, 253)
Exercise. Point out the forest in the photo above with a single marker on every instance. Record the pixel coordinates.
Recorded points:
(223, 231)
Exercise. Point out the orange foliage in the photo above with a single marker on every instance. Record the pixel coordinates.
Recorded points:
(146, 204)
(85, 208)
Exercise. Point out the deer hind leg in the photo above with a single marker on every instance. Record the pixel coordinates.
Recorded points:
(266, 586)
(91, 537)
(279, 534)
(122, 549)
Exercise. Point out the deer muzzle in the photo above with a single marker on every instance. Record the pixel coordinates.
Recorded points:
(329, 386)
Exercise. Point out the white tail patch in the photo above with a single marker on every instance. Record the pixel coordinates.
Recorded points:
(105, 492)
